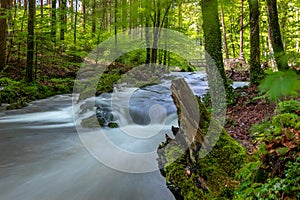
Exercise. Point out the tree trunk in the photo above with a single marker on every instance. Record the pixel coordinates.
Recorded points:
(22, 25)
(109, 16)
(42, 10)
(94, 18)
(176, 156)
(3, 32)
(148, 49)
(297, 32)
(63, 19)
(232, 40)
(124, 14)
(116, 29)
(104, 15)
(30, 41)
(71, 13)
(275, 35)
(12, 33)
(213, 42)
(224, 33)
(75, 22)
(255, 69)
(242, 32)
(179, 14)
(84, 14)
(53, 21)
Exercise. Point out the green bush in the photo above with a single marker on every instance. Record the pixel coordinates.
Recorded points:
(290, 106)
(270, 188)
(18, 93)
(285, 120)
(274, 171)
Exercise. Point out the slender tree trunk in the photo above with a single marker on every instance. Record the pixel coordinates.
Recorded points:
(179, 14)
(155, 37)
(232, 41)
(159, 20)
(12, 34)
(71, 13)
(297, 32)
(84, 14)
(242, 31)
(75, 21)
(104, 17)
(255, 69)
(3, 32)
(275, 35)
(166, 45)
(30, 41)
(124, 14)
(116, 17)
(224, 33)
(63, 19)
(53, 21)
(147, 34)
(22, 26)
(94, 17)
(109, 16)
(42, 10)
(212, 34)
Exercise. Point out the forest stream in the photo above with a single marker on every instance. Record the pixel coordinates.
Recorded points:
(42, 157)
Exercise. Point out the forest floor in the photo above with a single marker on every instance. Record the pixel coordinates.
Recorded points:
(245, 113)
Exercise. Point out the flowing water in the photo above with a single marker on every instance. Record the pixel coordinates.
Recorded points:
(43, 157)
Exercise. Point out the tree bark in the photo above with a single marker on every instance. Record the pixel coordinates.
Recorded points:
(190, 120)
(275, 35)
(71, 13)
(75, 21)
(30, 41)
(42, 10)
(183, 153)
(63, 19)
(242, 31)
(213, 44)
(3, 33)
(94, 18)
(116, 28)
(224, 33)
(255, 69)
(84, 14)
(53, 21)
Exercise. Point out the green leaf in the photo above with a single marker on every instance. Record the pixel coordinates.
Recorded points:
(279, 84)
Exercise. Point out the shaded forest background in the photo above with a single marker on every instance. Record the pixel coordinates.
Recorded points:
(36, 35)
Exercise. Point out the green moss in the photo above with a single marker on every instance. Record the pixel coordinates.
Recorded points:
(220, 165)
(19, 93)
(290, 106)
(285, 120)
(176, 175)
(173, 152)
(218, 169)
(113, 125)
